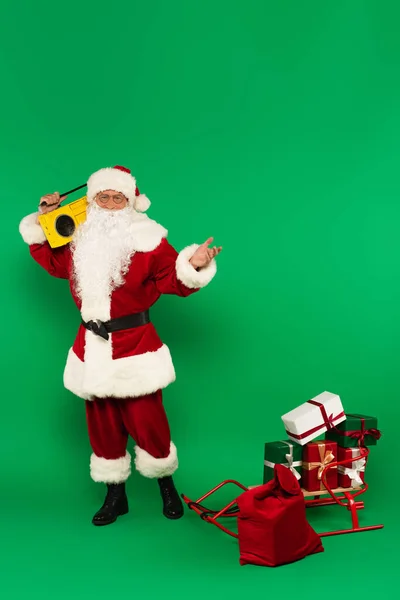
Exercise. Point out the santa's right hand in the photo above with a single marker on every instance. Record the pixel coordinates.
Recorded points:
(49, 202)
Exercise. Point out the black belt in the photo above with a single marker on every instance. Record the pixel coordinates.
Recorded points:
(129, 322)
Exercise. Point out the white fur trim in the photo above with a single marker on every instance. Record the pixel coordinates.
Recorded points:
(111, 179)
(103, 470)
(154, 468)
(31, 232)
(188, 274)
(100, 376)
(146, 233)
(142, 203)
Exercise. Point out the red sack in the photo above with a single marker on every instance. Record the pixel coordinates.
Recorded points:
(272, 525)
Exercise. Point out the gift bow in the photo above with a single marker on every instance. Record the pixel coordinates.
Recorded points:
(326, 458)
(358, 466)
(359, 434)
(291, 465)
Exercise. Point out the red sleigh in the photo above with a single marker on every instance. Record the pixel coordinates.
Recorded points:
(345, 497)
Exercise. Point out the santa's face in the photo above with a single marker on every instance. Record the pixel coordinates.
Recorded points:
(111, 200)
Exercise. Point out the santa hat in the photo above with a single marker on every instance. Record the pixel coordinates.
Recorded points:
(121, 180)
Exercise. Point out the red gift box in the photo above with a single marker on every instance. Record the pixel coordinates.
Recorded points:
(316, 456)
(351, 475)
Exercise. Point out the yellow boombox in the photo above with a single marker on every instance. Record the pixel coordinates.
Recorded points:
(59, 225)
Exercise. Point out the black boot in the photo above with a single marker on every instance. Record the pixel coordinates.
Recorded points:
(115, 505)
(172, 504)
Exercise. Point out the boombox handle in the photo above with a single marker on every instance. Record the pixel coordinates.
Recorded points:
(44, 203)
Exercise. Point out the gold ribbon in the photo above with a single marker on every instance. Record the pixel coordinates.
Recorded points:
(326, 457)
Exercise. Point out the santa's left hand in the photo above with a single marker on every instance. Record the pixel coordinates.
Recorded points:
(204, 255)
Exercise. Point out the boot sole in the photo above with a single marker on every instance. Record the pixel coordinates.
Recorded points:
(104, 523)
(173, 517)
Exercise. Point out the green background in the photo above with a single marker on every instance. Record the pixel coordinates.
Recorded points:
(275, 127)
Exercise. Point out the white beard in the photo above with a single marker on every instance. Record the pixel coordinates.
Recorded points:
(102, 250)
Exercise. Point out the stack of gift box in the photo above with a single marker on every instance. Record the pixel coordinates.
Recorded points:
(345, 436)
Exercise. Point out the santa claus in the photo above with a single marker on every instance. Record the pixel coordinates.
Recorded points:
(118, 264)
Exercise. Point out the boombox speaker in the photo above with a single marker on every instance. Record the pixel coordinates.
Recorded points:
(59, 225)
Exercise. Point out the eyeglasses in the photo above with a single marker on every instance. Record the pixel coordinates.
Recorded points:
(104, 198)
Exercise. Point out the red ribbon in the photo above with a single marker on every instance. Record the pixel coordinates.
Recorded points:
(329, 422)
(359, 434)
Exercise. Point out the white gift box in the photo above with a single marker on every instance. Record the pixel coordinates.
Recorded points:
(309, 420)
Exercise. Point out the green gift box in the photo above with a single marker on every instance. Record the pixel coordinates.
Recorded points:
(354, 431)
(284, 453)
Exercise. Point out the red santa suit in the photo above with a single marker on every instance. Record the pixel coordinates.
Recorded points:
(121, 378)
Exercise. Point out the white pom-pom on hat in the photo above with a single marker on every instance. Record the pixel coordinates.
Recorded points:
(121, 180)
(142, 203)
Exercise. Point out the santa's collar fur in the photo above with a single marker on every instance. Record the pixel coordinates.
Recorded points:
(146, 233)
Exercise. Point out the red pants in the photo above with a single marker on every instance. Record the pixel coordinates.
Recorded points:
(112, 420)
